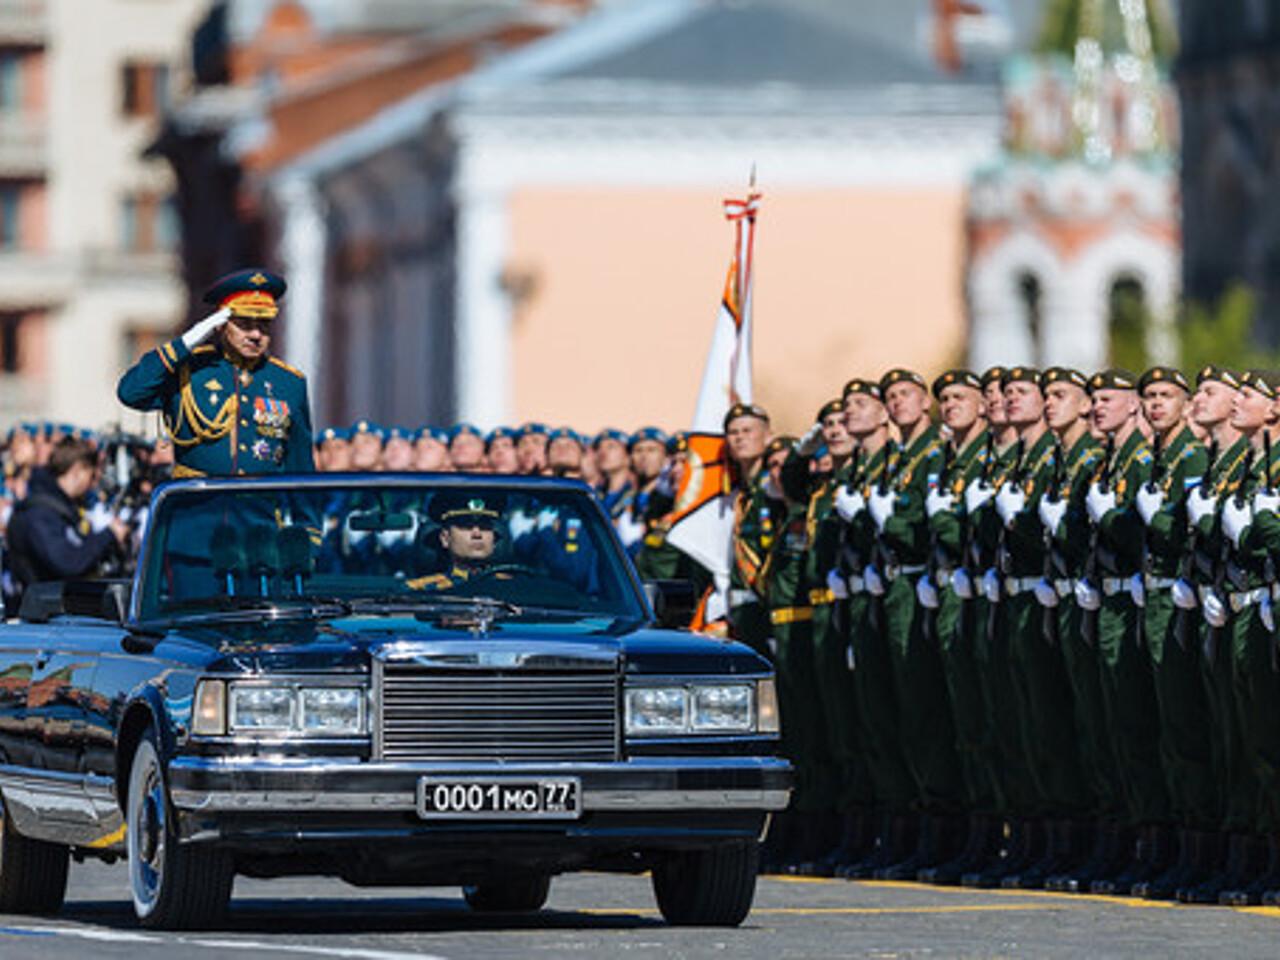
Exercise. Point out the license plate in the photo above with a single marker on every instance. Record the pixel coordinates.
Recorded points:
(556, 798)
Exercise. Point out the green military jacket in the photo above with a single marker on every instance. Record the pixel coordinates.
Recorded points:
(912, 471)
(1075, 470)
(949, 528)
(985, 528)
(1024, 540)
(1119, 539)
(859, 543)
(1179, 467)
(755, 523)
(1221, 478)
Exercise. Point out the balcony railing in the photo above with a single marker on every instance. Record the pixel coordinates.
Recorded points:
(24, 21)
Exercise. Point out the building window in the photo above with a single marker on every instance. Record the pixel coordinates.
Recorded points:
(10, 331)
(1127, 323)
(10, 215)
(10, 82)
(148, 224)
(145, 88)
(1030, 299)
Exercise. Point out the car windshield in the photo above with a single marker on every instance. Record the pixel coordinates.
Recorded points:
(369, 546)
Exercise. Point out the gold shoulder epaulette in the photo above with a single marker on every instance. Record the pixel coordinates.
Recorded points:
(284, 366)
(430, 580)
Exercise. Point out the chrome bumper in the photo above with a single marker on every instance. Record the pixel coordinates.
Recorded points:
(203, 784)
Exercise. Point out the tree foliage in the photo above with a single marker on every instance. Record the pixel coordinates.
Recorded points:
(1223, 334)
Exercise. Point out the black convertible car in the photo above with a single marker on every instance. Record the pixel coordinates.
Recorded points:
(390, 679)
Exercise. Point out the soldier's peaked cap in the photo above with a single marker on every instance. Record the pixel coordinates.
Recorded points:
(250, 293)
(1219, 374)
(963, 378)
(1113, 379)
(1064, 375)
(449, 507)
(739, 410)
(992, 375)
(901, 375)
(1163, 375)
(1020, 375)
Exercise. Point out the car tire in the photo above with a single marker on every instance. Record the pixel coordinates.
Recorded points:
(707, 888)
(508, 896)
(174, 886)
(33, 873)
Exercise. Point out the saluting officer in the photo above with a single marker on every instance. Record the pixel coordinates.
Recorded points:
(230, 407)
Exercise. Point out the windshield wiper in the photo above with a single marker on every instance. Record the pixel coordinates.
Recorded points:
(406, 601)
(220, 607)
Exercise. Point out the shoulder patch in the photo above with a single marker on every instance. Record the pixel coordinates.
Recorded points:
(1144, 457)
(284, 366)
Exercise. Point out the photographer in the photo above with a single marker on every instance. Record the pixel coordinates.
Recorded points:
(48, 538)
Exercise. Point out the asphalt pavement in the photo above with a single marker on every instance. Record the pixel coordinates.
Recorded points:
(595, 915)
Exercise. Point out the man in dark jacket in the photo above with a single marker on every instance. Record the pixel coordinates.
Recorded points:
(48, 538)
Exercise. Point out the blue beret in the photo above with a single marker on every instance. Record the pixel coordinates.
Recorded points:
(84, 433)
(366, 426)
(397, 433)
(541, 429)
(458, 429)
(497, 433)
(565, 433)
(333, 433)
(252, 292)
(439, 434)
(609, 433)
(648, 433)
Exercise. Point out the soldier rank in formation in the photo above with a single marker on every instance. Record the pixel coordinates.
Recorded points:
(1031, 645)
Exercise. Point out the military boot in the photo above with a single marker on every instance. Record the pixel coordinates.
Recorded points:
(1269, 879)
(1241, 862)
(1111, 848)
(981, 847)
(1165, 884)
(929, 838)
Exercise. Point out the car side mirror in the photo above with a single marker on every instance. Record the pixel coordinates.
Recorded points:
(674, 602)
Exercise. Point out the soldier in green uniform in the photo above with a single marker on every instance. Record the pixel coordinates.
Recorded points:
(868, 656)
(1179, 465)
(1255, 532)
(469, 537)
(746, 430)
(1245, 659)
(1220, 857)
(784, 586)
(847, 821)
(229, 406)
(1128, 687)
(924, 712)
(1066, 530)
(968, 447)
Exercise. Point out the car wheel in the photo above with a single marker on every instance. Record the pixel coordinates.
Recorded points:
(508, 896)
(175, 886)
(707, 888)
(33, 873)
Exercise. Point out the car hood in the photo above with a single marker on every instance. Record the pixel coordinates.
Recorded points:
(351, 644)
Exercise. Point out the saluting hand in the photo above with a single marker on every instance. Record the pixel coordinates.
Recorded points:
(205, 328)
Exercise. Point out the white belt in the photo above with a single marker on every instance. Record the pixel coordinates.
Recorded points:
(1247, 598)
(740, 597)
(1016, 585)
(855, 583)
(1113, 585)
(1159, 583)
(1064, 587)
(893, 571)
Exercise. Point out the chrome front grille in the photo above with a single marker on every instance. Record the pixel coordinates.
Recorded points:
(433, 714)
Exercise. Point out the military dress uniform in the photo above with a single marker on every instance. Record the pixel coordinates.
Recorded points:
(755, 520)
(227, 416)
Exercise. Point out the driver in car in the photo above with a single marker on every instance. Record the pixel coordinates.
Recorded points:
(469, 535)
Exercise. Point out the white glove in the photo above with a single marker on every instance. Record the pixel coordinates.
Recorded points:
(810, 442)
(991, 586)
(1051, 511)
(927, 592)
(1099, 503)
(938, 502)
(630, 529)
(716, 607)
(872, 581)
(1045, 594)
(1264, 501)
(1267, 614)
(1215, 611)
(1010, 502)
(99, 517)
(1087, 596)
(772, 644)
(837, 585)
(1137, 590)
(976, 496)
(962, 584)
(850, 658)
(205, 328)
(1236, 517)
(547, 518)
(521, 524)
(849, 503)
(1184, 595)
(1150, 500)
(880, 506)
(1200, 503)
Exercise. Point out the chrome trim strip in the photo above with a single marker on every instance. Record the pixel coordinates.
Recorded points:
(73, 808)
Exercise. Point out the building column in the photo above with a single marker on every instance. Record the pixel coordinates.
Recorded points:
(303, 240)
(1075, 329)
(999, 335)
